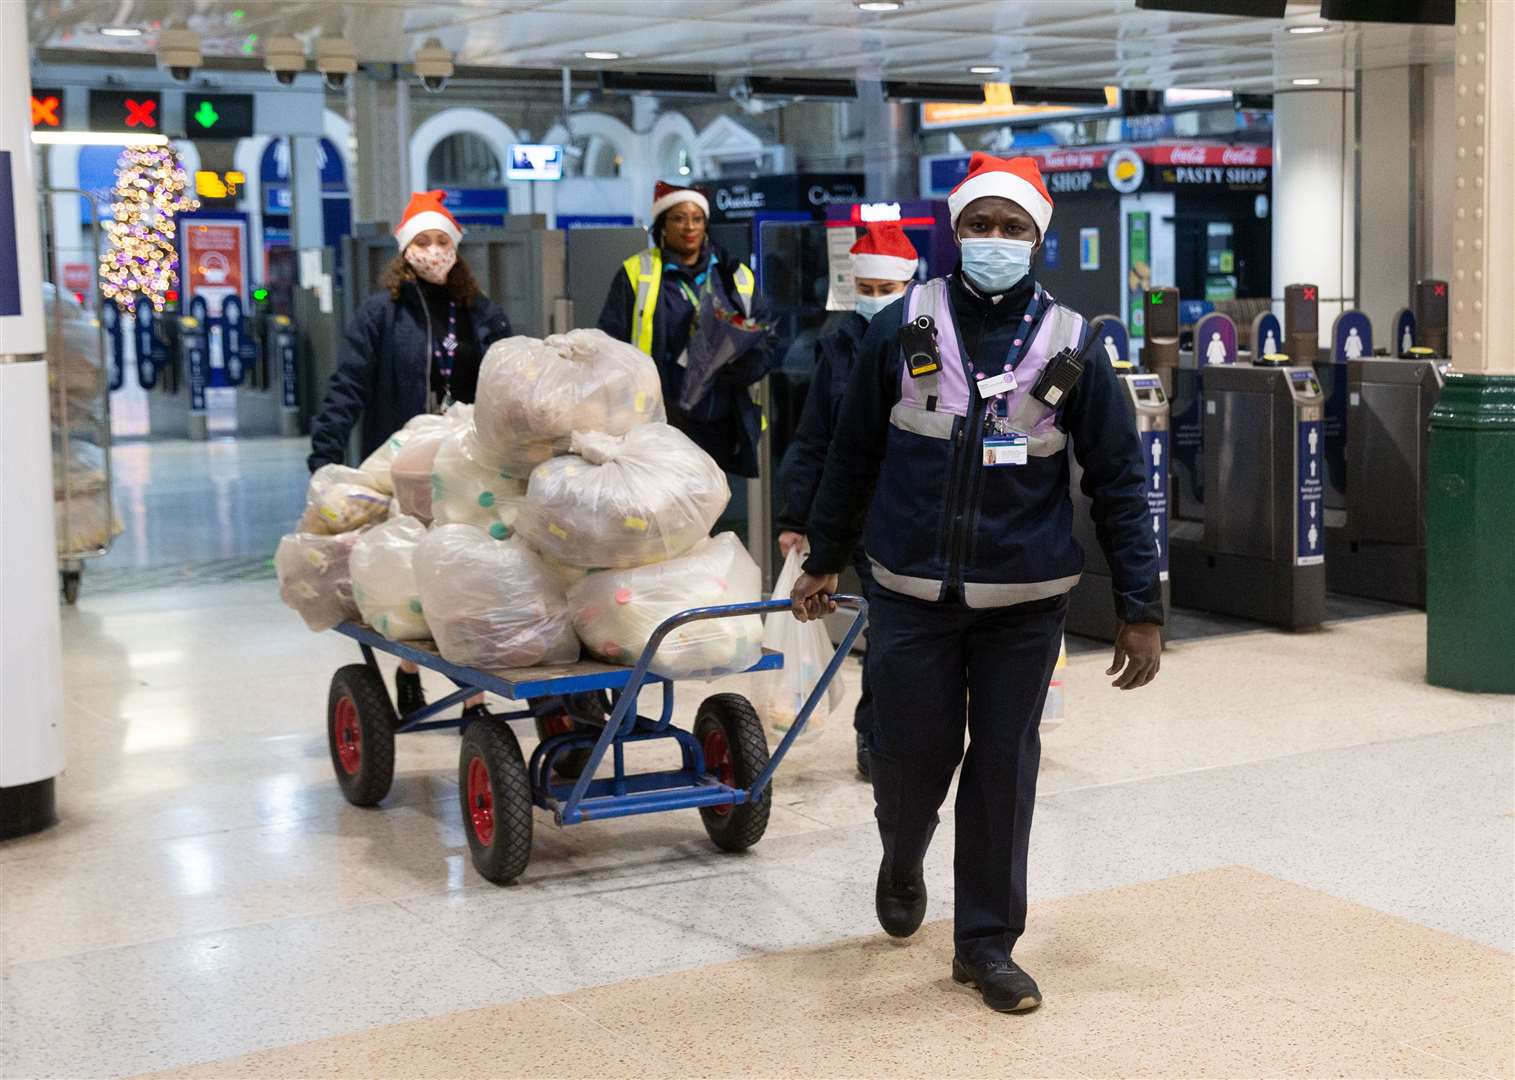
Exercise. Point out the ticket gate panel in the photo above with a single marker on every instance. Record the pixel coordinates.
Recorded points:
(1260, 554)
(1091, 609)
(1240, 453)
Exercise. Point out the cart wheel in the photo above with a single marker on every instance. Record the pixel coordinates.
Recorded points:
(71, 579)
(570, 766)
(736, 751)
(360, 723)
(495, 795)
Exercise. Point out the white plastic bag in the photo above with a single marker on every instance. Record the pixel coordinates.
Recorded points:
(410, 468)
(624, 501)
(378, 465)
(492, 605)
(468, 487)
(807, 650)
(315, 578)
(616, 611)
(339, 500)
(533, 395)
(384, 579)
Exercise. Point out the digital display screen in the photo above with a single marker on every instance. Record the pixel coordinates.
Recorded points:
(535, 161)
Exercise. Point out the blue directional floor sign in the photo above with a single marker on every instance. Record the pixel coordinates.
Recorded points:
(1156, 445)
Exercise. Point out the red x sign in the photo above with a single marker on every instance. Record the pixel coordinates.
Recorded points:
(1441, 288)
(45, 111)
(140, 113)
(1309, 292)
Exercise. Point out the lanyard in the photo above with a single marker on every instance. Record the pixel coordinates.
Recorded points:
(445, 350)
(1018, 346)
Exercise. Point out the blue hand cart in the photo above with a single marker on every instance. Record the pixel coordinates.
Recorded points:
(726, 769)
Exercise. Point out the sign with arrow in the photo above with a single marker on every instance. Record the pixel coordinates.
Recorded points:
(218, 116)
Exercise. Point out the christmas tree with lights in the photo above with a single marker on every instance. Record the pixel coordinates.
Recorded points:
(142, 258)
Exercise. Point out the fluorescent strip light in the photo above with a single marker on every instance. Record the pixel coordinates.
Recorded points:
(1307, 29)
(879, 5)
(120, 31)
(97, 138)
(983, 69)
(1306, 82)
(601, 54)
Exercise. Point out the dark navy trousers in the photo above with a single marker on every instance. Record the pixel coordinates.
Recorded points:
(862, 716)
(936, 668)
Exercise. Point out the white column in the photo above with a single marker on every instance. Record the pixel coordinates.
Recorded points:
(31, 661)
(1314, 198)
(1483, 258)
(1386, 217)
(380, 114)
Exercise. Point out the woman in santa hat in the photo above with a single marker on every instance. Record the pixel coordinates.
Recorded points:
(412, 348)
(652, 303)
(883, 263)
(415, 346)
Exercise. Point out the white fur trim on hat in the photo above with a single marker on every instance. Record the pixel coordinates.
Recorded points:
(682, 195)
(416, 224)
(884, 267)
(1005, 185)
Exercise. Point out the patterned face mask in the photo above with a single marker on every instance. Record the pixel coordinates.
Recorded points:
(432, 263)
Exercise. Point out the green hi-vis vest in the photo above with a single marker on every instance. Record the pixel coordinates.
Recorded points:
(645, 269)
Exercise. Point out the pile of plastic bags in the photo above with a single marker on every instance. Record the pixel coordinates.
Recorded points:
(560, 507)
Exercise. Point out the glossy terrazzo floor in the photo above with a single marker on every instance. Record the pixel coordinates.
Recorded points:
(1287, 857)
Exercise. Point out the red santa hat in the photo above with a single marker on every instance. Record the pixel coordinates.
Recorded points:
(666, 196)
(425, 211)
(884, 251)
(1017, 179)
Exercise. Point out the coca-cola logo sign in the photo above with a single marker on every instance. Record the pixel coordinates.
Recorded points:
(1242, 155)
(1187, 155)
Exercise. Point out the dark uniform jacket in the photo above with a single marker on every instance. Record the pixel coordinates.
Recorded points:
(800, 478)
(382, 372)
(933, 511)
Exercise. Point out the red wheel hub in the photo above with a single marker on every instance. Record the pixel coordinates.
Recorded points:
(718, 762)
(347, 733)
(480, 802)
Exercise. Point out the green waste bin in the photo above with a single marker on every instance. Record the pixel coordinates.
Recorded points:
(1470, 535)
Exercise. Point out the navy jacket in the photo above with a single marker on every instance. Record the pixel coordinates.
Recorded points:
(800, 477)
(726, 423)
(940, 513)
(382, 372)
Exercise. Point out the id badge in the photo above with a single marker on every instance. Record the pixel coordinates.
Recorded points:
(1005, 449)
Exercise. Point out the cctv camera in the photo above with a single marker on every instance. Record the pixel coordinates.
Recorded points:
(179, 53)
(335, 60)
(433, 65)
(285, 57)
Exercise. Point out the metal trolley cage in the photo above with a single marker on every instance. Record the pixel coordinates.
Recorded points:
(698, 783)
(66, 425)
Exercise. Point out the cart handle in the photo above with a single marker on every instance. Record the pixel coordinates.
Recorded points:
(628, 694)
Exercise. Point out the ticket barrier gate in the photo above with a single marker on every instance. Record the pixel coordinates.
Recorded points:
(173, 365)
(268, 401)
(1260, 551)
(1091, 610)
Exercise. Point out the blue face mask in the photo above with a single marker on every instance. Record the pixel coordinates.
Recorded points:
(994, 265)
(869, 306)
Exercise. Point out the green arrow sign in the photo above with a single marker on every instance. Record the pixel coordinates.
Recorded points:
(206, 115)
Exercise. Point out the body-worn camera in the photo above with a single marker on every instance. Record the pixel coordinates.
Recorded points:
(918, 341)
(1057, 378)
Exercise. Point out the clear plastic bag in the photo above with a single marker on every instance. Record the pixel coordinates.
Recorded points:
(533, 395)
(378, 465)
(410, 469)
(468, 487)
(315, 578)
(616, 611)
(807, 650)
(339, 500)
(492, 605)
(384, 579)
(625, 501)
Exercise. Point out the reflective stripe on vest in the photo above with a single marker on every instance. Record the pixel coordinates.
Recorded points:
(645, 270)
(948, 391)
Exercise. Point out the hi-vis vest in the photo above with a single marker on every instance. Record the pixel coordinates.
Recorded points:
(939, 516)
(645, 269)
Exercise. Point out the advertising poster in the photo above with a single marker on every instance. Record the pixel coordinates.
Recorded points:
(1139, 247)
(213, 260)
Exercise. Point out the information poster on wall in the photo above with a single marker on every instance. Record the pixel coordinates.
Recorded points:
(1088, 249)
(214, 259)
(1139, 278)
(1309, 521)
(842, 293)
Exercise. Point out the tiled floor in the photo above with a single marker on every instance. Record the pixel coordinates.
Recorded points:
(1287, 845)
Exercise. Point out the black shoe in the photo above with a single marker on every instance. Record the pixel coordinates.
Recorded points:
(1001, 983)
(409, 697)
(475, 712)
(862, 756)
(900, 907)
